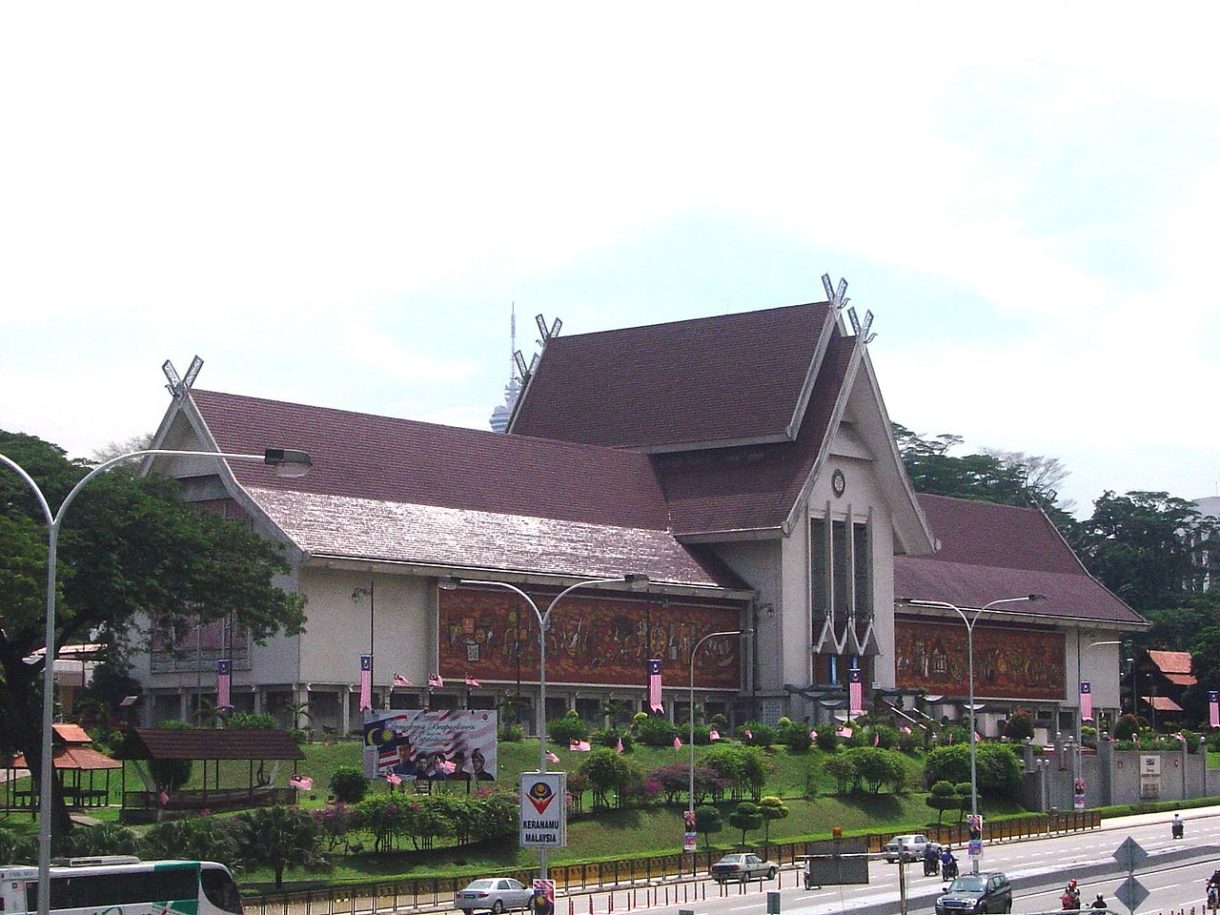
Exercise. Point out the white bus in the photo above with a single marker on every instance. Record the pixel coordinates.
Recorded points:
(123, 885)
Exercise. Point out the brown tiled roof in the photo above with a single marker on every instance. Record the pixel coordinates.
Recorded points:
(730, 378)
(1161, 703)
(1171, 662)
(75, 757)
(208, 743)
(991, 551)
(752, 487)
(404, 491)
(71, 733)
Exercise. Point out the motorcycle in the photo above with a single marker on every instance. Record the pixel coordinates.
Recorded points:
(949, 869)
(1070, 899)
(1213, 896)
(1177, 829)
(931, 865)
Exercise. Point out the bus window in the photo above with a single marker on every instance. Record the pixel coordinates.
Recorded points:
(220, 889)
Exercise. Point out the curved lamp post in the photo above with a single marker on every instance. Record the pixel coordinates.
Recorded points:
(287, 463)
(635, 580)
(690, 803)
(970, 621)
(1079, 720)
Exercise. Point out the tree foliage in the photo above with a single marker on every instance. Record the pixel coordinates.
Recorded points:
(279, 838)
(746, 817)
(942, 796)
(708, 821)
(128, 547)
(997, 768)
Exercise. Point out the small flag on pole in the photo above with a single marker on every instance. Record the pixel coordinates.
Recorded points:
(1086, 701)
(713, 734)
(448, 767)
(366, 681)
(876, 738)
(551, 757)
(224, 679)
(855, 692)
(435, 681)
(580, 745)
(400, 680)
(904, 729)
(618, 745)
(393, 778)
(163, 797)
(1213, 703)
(471, 681)
(654, 685)
(749, 735)
(844, 732)
(677, 742)
(304, 782)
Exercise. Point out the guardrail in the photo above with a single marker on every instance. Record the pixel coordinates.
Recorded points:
(433, 893)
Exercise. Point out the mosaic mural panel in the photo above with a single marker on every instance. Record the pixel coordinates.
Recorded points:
(494, 636)
(1008, 662)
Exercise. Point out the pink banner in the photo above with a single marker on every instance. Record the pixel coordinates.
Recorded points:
(366, 682)
(855, 692)
(224, 679)
(1086, 701)
(654, 685)
(1213, 703)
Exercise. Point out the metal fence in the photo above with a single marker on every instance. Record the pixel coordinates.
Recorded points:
(436, 893)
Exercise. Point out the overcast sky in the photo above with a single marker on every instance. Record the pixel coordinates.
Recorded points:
(339, 205)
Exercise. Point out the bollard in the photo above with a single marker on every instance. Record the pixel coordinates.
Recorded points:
(772, 902)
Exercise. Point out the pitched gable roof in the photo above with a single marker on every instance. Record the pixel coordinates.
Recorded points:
(706, 382)
(990, 552)
(1175, 665)
(409, 492)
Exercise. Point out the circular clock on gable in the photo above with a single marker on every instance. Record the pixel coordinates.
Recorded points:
(838, 482)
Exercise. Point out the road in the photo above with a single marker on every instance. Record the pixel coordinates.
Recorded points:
(1174, 875)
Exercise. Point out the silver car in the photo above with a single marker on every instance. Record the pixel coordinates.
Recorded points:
(742, 868)
(908, 848)
(493, 894)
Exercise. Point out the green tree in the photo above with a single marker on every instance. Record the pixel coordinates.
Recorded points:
(941, 797)
(772, 808)
(607, 771)
(128, 546)
(279, 838)
(746, 817)
(348, 785)
(708, 821)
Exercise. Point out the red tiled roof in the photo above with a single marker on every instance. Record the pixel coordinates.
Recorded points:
(1181, 679)
(71, 733)
(74, 757)
(991, 551)
(1161, 703)
(730, 378)
(405, 491)
(1171, 662)
(753, 487)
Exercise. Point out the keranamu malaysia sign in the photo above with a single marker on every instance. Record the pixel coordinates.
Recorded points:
(544, 814)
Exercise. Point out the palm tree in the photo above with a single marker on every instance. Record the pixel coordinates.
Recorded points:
(279, 837)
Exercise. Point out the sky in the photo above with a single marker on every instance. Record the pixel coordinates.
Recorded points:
(341, 205)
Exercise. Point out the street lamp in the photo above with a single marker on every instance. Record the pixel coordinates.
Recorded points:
(690, 804)
(1079, 696)
(970, 621)
(635, 580)
(287, 462)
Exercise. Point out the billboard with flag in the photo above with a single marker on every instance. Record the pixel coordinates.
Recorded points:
(450, 744)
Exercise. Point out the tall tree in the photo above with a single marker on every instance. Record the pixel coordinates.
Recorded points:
(1147, 547)
(128, 546)
(1006, 477)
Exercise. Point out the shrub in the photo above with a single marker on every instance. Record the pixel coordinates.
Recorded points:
(104, 839)
(566, 728)
(743, 769)
(1020, 726)
(384, 815)
(1126, 727)
(197, 838)
(655, 731)
(703, 735)
(708, 821)
(279, 837)
(827, 741)
(609, 737)
(608, 771)
(513, 733)
(745, 817)
(842, 768)
(941, 797)
(335, 823)
(997, 766)
(756, 734)
(17, 849)
(260, 721)
(348, 785)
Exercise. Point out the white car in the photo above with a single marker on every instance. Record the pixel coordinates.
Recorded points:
(908, 848)
(493, 894)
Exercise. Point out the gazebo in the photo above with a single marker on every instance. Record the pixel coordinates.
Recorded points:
(73, 759)
(257, 747)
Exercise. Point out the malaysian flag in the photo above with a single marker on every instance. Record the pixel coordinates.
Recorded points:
(366, 681)
(855, 692)
(471, 681)
(813, 735)
(400, 680)
(654, 685)
(304, 782)
(1213, 704)
(551, 757)
(1086, 701)
(581, 746)
(393, 778)
(677, 742)
(713, 734)
(224, 679)
(844, 732)
(435, 681)
(618, 745)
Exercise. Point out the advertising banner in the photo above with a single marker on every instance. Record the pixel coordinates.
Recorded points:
(450, 744)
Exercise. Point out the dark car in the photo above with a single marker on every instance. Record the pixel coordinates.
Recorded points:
(973, 893)
(742, 868)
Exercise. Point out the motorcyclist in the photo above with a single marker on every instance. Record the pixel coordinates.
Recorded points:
(1071, 896)
(931, 860)
(1100, 902)
(948, 863)
(1213, 890)
(1177, 826)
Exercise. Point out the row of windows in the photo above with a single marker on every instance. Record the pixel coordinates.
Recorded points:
(841, 569)
(98, 891)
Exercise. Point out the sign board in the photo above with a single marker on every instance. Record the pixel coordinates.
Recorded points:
(1131, 893)
(450, 744)
(1150, 776)
(544, 810)
(1130, 854)
(690, 842)
(834, 870)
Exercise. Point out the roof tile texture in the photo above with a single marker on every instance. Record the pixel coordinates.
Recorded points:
(729, 377)
(208, 743)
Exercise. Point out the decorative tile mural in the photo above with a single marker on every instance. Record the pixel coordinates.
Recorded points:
(1008, 662)
(494, 635)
